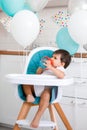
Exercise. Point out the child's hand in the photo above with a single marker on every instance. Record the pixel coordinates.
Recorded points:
(48, 64)
(39, 70)
(42, 65)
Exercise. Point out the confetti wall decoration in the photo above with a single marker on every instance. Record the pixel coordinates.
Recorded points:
(61, 18)
(5, 20)
(42, 21)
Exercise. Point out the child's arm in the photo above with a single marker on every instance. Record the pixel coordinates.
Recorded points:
(39, 70)
(58, 73)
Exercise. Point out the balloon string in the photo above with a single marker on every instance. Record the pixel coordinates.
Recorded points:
(81, 65)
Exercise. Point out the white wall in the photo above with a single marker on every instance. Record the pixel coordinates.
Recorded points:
(7, 42)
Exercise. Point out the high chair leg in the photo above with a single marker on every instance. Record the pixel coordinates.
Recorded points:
(23, 113)
(62, 115)
(52, 115)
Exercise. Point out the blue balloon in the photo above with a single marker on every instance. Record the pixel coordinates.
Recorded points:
(64, 41)
(11, 7)
(0, 3)
(27, 7)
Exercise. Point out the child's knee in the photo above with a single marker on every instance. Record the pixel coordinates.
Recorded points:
(45, 96)
(43, 104)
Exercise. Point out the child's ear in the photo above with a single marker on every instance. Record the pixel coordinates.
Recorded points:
(63, 64)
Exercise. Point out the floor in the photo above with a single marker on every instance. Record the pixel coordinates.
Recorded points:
(7, 128)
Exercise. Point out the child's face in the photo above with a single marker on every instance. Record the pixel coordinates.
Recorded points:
(56, 60)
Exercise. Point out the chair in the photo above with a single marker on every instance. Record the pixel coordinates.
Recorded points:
(29, 77)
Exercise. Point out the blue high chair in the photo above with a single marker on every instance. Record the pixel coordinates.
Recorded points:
(30, 77)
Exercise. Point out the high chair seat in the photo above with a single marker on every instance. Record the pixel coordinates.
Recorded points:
(30, 77)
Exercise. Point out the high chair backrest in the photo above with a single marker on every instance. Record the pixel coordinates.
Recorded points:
(31, 66)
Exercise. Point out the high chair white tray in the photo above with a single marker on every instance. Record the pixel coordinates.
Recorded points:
(35, 79)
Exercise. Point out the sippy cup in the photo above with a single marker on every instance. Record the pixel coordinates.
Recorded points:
(43, 60)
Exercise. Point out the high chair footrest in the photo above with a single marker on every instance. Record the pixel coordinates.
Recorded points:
(26, 124)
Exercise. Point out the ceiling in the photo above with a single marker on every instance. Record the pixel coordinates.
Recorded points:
(56, 3)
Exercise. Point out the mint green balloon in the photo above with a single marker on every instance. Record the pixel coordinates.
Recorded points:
(64, 41)
(0, 3)
(11, 7)
(27, 7)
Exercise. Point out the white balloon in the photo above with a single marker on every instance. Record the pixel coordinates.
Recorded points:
(37, 5)
(77, 5)
(77, 26)
(25, 27)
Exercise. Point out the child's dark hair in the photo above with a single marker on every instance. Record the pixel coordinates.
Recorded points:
(65, 56)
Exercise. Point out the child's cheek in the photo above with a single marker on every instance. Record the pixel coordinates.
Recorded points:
(52, 62)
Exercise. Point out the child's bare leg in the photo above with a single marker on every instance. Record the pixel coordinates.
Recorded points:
(16, 127)
(22, 114)
(29, 90)
(44, 103)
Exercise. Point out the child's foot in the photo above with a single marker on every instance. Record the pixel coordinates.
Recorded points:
(30, 98)
(34, 124)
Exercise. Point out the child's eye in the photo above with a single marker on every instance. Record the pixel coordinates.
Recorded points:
(55, 58)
